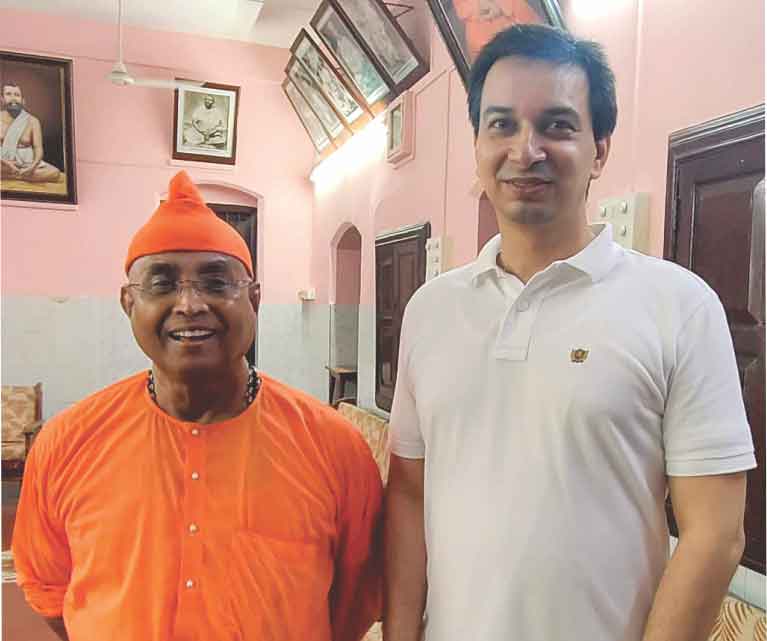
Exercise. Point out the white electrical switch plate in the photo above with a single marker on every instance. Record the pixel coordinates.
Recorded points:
(629, 217)
(436, 250)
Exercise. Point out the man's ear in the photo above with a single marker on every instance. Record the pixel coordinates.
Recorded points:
(254, 295)
(126, 300)
(603, 151)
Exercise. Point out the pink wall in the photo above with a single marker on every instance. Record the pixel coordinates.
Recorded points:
(348, 277)
(432, 187)
(678, 63)
(123, 138)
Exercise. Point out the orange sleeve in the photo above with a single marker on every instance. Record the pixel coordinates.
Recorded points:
(40, 549)
(357, 593)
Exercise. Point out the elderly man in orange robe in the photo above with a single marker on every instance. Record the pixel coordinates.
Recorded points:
(200, 500)
(484, 18)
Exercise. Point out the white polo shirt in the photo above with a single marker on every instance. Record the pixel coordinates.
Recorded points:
(549, 415)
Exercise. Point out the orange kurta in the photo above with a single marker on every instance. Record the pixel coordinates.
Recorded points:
(140, 527)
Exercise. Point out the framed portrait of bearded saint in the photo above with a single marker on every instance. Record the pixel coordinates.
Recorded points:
(468, 25)
(37, 144)
(205, 123)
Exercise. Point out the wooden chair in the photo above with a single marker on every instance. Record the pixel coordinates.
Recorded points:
(22, 407)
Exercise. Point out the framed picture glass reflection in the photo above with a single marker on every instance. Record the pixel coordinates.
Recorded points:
(385, 41)
(330, 119)
(335, 88)
(309, 119)
(342, 43)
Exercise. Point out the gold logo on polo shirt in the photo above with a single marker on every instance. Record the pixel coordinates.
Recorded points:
(579, 355)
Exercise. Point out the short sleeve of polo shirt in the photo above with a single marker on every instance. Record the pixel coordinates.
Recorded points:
(40, 548)
(405, 438)
(705, 430)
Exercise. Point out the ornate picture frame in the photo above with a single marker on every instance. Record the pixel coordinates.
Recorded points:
(37, 129)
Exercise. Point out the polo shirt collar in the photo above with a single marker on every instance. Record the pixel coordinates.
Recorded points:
(595, 260)
(598, 257)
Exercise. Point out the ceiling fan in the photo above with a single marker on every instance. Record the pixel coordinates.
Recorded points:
(120, 76)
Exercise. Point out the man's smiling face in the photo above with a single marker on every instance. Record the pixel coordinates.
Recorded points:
(535, 148)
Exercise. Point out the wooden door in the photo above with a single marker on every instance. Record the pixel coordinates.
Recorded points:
(400, 270)
(243, 219)
(715, 228)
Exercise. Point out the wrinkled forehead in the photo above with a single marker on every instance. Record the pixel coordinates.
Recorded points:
(183, 264)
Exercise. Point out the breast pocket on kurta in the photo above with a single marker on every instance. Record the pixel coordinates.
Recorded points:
(277, 588)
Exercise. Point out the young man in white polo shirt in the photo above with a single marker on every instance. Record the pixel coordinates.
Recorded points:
(550, 394)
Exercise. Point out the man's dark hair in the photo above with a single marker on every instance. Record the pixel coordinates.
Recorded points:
(538, 42)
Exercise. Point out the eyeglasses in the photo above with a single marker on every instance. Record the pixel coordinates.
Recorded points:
(213, 288)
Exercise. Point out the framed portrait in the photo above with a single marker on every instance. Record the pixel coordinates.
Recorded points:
(311, 123)
(468, 25)
(331, 120)
(400, 133)
(37, 129)
(334, 87)
(384, 41)
(340, 40)
(205, 123)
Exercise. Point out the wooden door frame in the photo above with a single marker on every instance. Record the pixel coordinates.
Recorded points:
(251, 210)
(420, 232)
(695, 142)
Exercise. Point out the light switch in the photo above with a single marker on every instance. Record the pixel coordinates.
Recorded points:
(436, 249)
(628, 216)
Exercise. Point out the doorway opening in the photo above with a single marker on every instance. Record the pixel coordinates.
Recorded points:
(344, 316)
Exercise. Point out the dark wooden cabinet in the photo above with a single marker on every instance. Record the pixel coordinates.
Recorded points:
(715, 228)
(400, 270)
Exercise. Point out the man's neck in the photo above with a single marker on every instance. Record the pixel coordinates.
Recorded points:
(528, 249)
(210, 398)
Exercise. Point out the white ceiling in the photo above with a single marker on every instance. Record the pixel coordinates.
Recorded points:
(267, 22)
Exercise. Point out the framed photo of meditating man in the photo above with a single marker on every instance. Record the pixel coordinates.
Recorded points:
(205, 123)
(37, 144)
(468, 25)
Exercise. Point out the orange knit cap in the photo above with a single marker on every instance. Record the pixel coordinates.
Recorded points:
(185, 223)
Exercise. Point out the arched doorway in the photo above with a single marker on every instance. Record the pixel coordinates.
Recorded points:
(345, 303)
